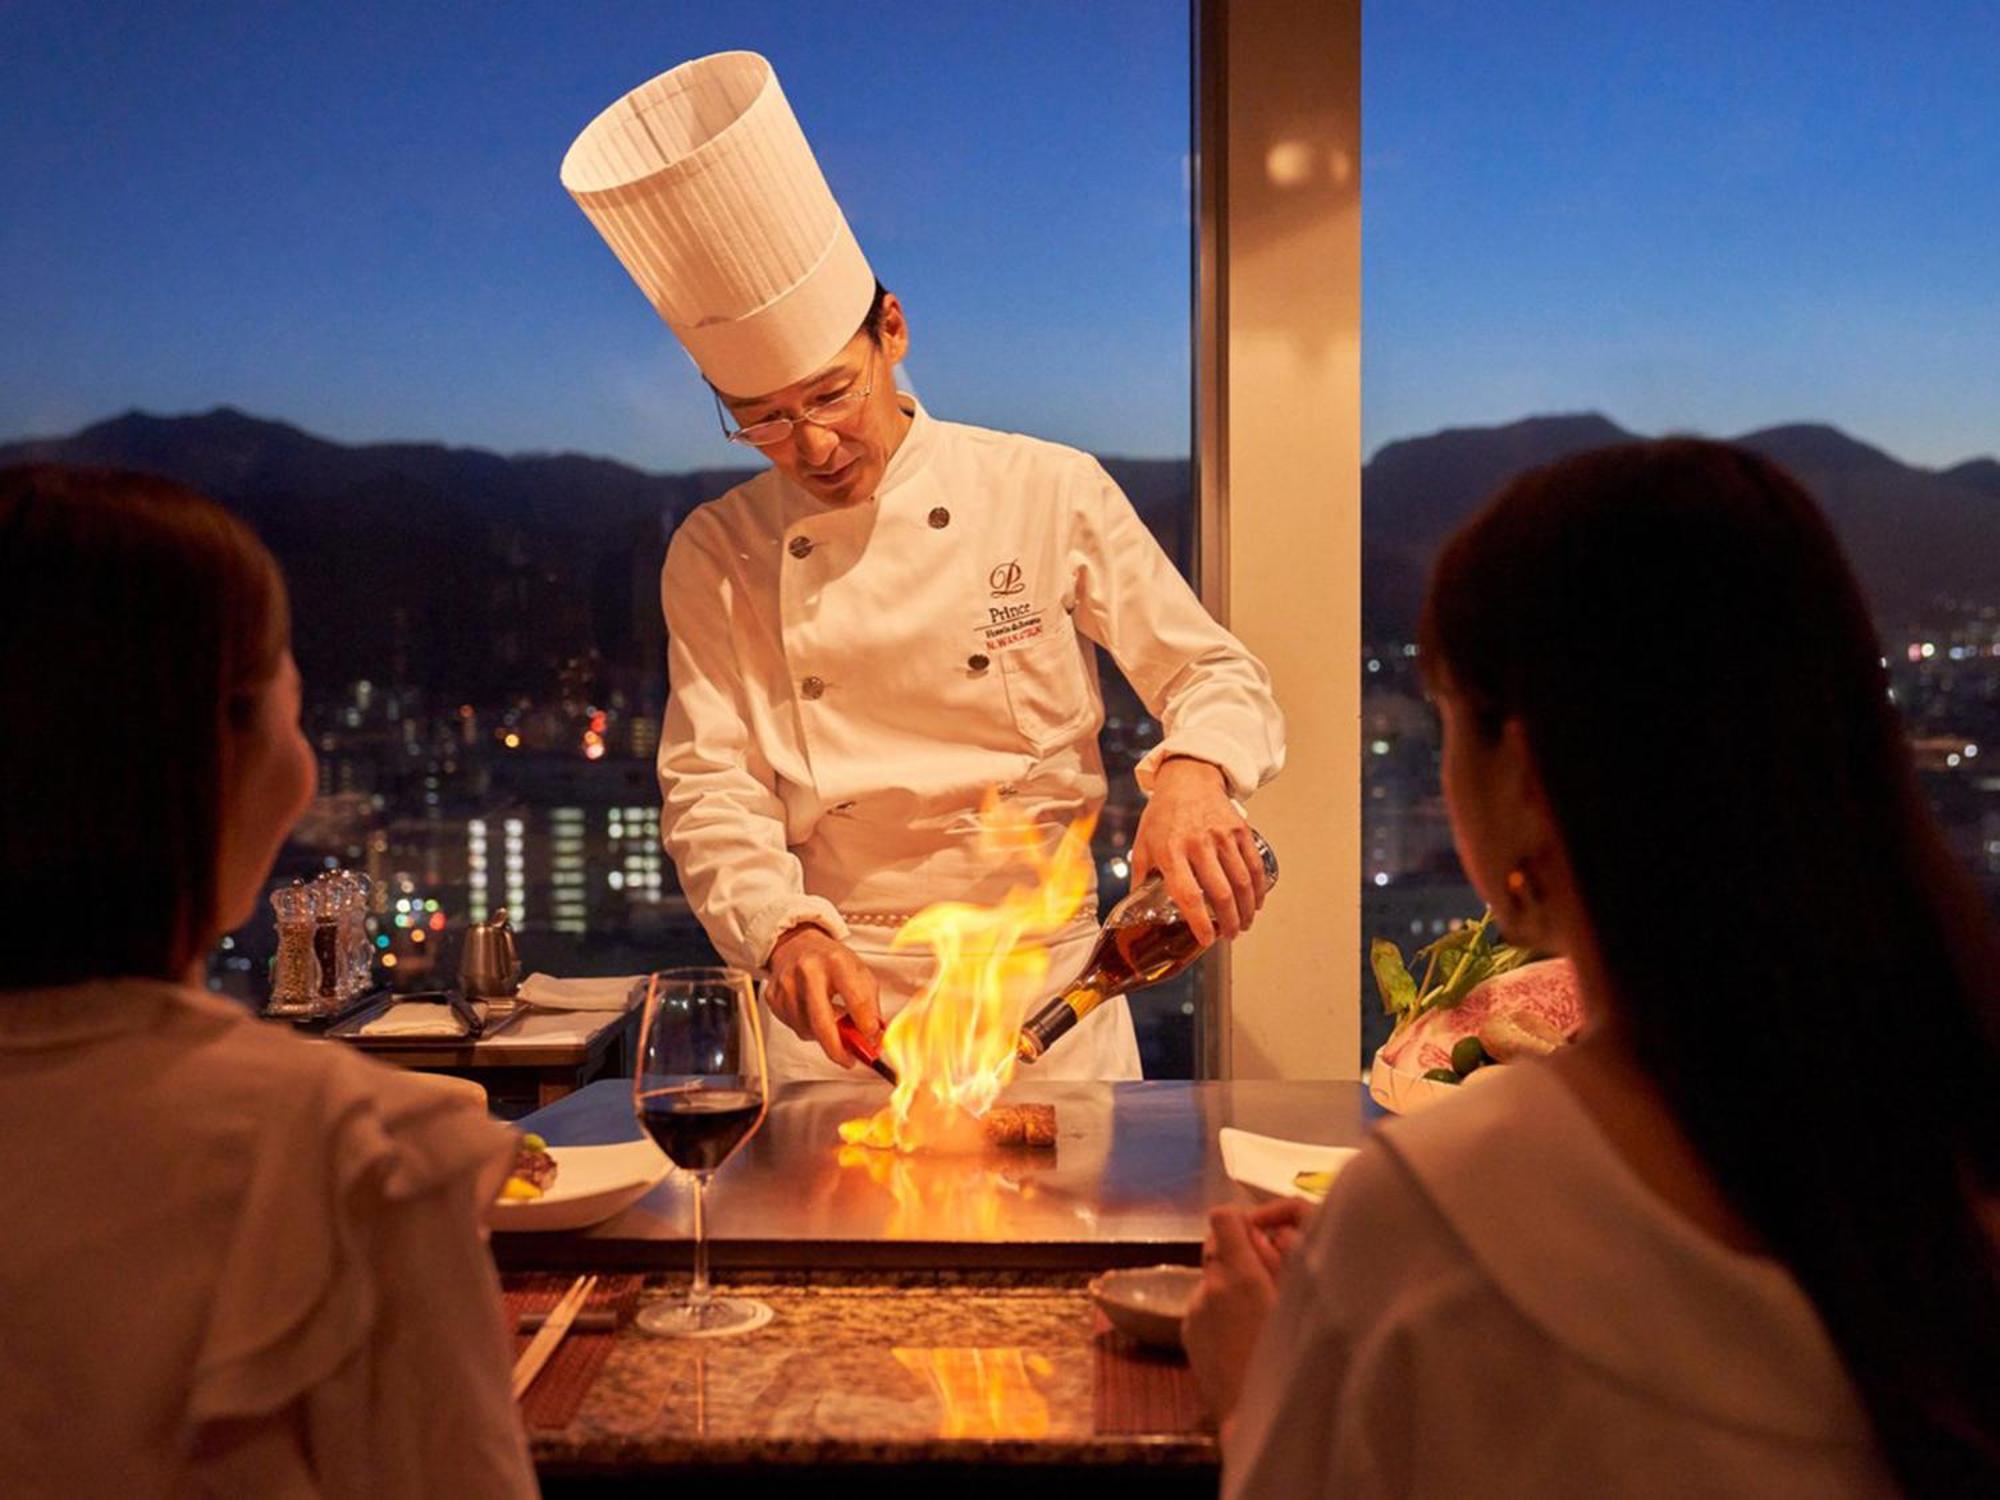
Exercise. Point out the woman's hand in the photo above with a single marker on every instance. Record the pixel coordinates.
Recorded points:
(1279, 1226)
(1240, 1263)
(809, 969)
(1194, 836)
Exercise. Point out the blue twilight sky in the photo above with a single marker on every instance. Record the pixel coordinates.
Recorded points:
(347, 216)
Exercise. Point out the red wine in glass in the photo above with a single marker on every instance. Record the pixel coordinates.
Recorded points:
(699, 1091)
(700, 1129)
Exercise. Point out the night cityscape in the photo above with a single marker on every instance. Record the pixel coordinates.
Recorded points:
(486, 721)
(1945, 677)
(479, 627)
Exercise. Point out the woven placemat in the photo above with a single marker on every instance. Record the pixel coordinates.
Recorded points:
(1141, 1391)
(552, 1401)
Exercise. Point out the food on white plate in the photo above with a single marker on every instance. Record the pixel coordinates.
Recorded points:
(533, 1172)
(1314, 1184)
(1480, 1002)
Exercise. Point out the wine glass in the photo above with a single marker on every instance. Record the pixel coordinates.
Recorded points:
(699, 1090)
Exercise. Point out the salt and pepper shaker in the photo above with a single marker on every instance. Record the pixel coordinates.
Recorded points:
(324, 956)
(358, 975)
(328, 908)
(295, 975)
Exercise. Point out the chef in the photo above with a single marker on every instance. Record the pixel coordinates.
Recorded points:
(899, 616)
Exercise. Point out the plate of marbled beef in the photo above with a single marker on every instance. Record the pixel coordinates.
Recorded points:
(1526, 1012)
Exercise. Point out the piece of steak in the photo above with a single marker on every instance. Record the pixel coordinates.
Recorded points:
(1546, 990)
(1029, 1125)
(533, 1164)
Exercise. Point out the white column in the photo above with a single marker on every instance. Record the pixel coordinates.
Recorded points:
(1279, 427)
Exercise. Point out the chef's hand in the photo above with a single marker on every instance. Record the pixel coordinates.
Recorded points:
(1239, 1286)
(809, 969)
(1194, 836)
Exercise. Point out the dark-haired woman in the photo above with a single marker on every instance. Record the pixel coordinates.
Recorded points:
(234, 1262)
(1740, 1239)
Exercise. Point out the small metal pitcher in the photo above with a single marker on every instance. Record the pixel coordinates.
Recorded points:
(488, 966)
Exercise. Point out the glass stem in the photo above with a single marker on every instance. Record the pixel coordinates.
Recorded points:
(698, 1290)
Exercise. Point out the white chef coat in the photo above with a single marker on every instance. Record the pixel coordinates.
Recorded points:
(1492, 1303)
(848, 682)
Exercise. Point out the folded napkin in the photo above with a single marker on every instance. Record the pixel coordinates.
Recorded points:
(416, 1018)
(1266, 1164)
(544, 993)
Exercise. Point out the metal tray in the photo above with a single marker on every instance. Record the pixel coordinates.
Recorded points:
(321, 1021)
(349, 1029)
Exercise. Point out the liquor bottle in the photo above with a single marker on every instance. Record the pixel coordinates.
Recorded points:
(1146, 939)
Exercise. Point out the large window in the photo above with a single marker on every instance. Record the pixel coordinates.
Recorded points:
(1586, 223)
(379, 329)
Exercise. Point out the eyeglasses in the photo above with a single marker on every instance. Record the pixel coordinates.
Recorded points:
(829, 413)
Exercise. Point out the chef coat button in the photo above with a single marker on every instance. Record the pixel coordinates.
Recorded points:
(940, 518)
(811, 688)
(801, 546)
(978, 661)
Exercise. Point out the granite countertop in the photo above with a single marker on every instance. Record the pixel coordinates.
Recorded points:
(908, 1369)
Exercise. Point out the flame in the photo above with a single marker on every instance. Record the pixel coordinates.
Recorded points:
(937, 1197)
(984, 1393)
(953, 1046)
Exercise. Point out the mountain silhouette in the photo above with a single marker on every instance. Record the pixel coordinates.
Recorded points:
(460, 570)
(453, 569)
(481, 574)
(1915, 536)
(1981, 474)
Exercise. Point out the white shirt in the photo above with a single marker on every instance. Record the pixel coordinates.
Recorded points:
(241, 1263)
(1491, 1303)
(847, 683)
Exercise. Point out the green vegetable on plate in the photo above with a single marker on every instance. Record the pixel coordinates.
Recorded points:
(1453, 966)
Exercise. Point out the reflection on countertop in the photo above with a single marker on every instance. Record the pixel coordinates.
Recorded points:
(912, 1369)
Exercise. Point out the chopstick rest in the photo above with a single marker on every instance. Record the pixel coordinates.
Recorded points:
(597, 1320)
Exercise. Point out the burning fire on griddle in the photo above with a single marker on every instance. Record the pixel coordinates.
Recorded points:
(953, 1047)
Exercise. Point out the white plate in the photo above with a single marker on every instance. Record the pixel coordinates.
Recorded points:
(1268, 1165)
(592, 1183)
(1147, 1304)
(1404, 1091)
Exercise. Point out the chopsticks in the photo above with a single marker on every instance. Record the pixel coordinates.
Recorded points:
(529, 1365)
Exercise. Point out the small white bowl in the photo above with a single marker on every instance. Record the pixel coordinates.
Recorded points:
(1147, 1304)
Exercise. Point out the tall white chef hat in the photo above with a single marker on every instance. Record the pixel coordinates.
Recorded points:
(703, 185)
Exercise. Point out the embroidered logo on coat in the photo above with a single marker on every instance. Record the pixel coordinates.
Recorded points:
(1005, 580)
